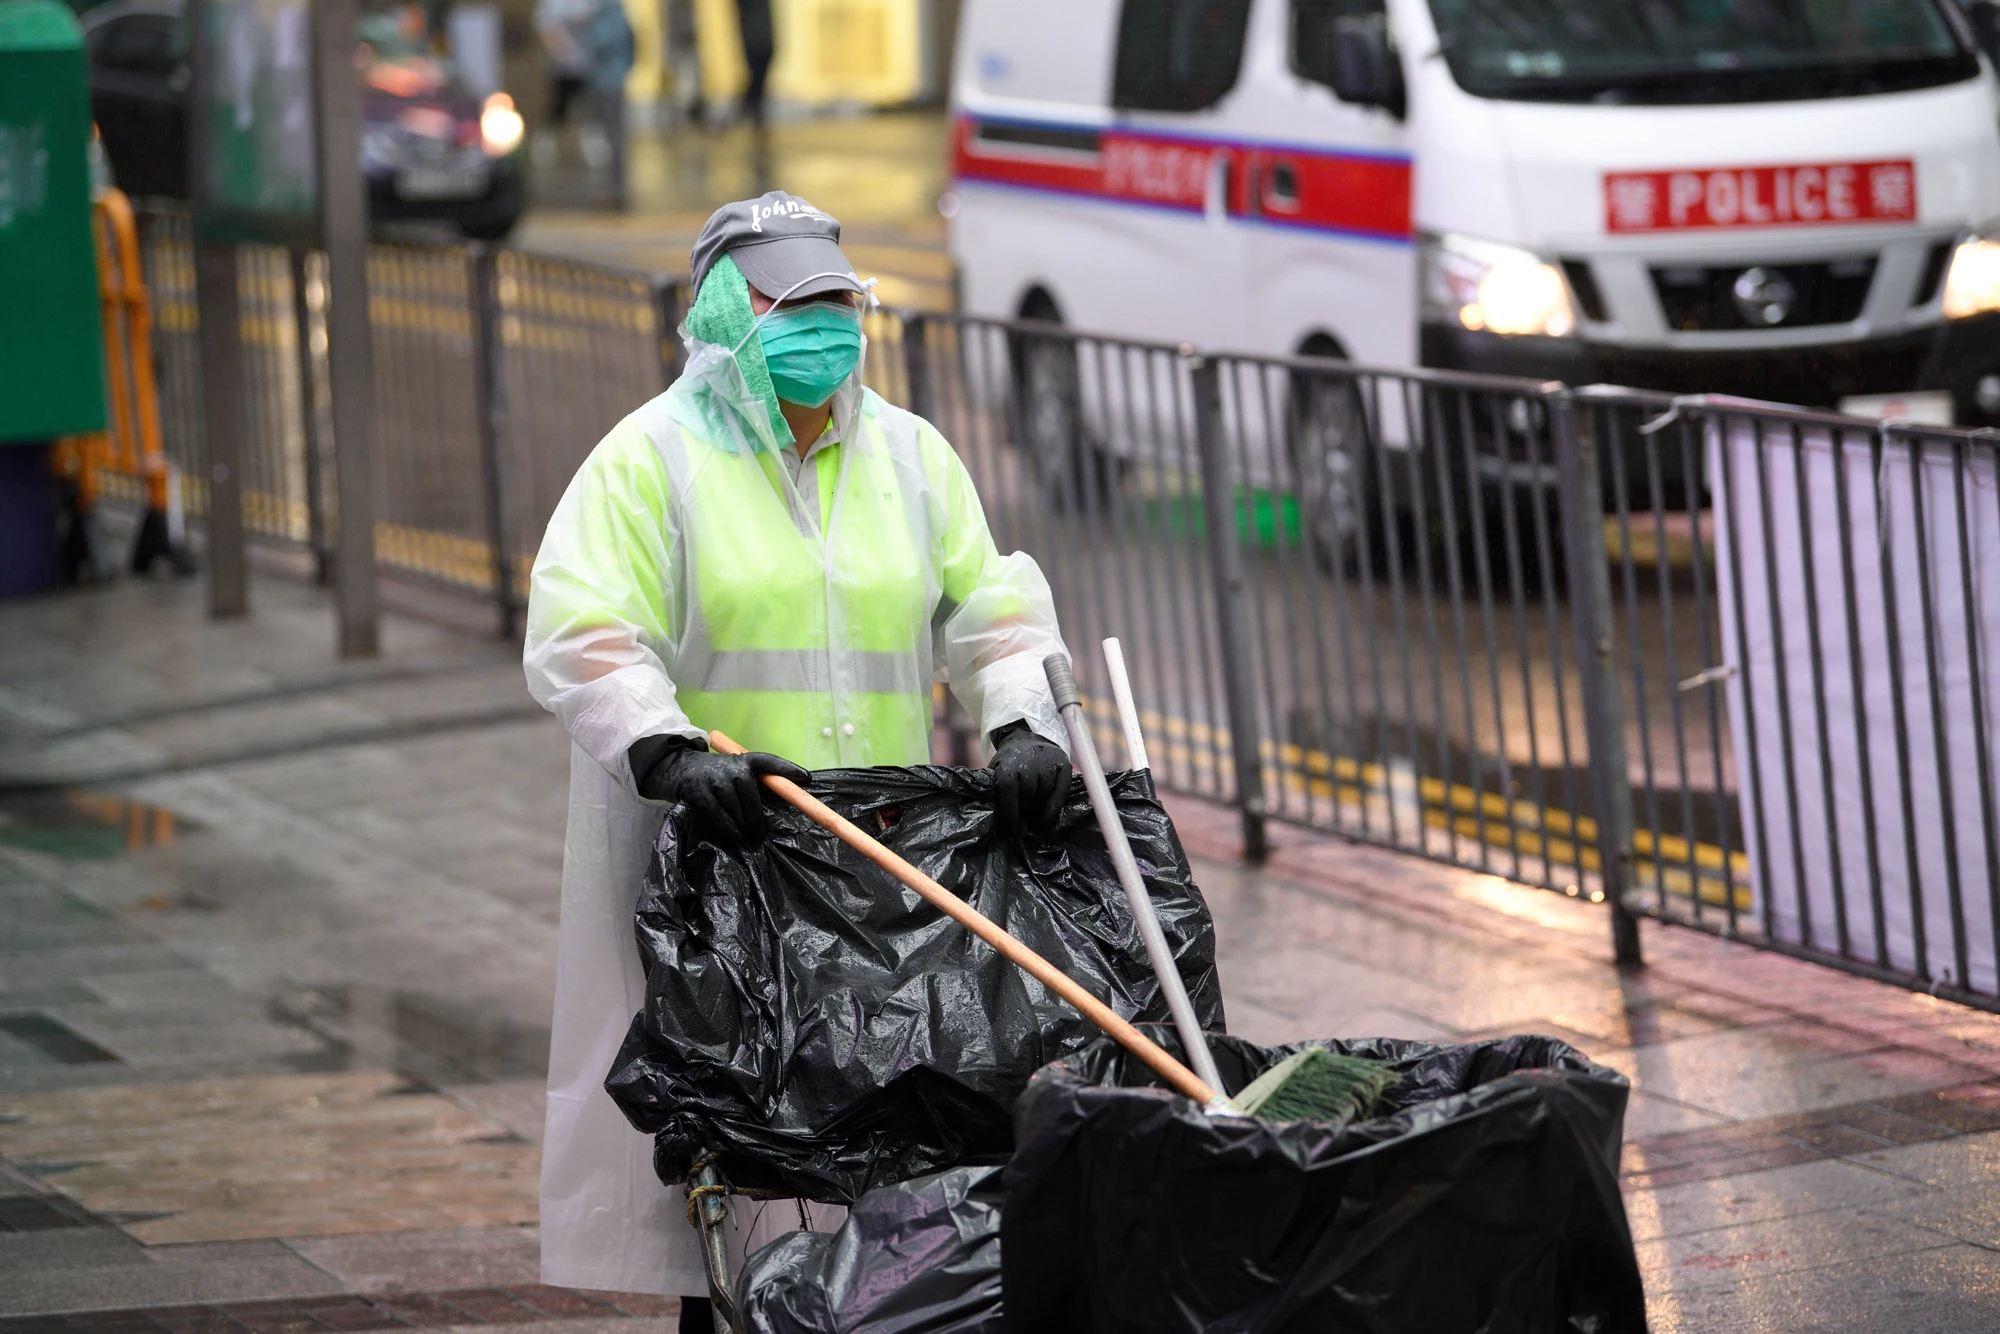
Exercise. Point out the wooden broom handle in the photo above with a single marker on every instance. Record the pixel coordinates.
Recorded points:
(969, 917)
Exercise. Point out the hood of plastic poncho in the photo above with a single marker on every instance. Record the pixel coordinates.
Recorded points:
(721, 317)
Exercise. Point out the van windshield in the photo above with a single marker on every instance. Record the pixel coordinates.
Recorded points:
(1689, 51)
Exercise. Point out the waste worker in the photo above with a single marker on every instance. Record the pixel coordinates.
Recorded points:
(771, 550)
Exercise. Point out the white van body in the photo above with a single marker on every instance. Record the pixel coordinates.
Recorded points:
(1792, 247)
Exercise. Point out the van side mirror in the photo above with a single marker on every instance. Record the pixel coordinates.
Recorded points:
(1985, 17)
(1365, 70)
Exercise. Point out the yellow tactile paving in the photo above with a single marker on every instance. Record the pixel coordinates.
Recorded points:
(273, 1156)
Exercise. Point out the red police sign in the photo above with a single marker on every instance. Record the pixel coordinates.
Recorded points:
(1813, 193)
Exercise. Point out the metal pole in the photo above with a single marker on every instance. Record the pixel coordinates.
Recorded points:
(309, 420)
(667, 319)
(491, 408)
(1225, 565)
(1083, 750)
(1582, 505)
(708, 1210)
(917, 365)
(222, 401)
(343, 224)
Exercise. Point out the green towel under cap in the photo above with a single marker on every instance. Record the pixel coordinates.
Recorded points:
(721, 314)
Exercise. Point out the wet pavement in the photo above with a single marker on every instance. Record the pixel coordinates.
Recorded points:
(880, 174)
(276, 960)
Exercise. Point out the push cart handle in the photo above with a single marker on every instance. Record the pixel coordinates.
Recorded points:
(1183, 1079)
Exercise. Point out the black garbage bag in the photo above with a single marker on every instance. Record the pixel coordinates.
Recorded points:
(918, 1257)
(1483, 1198)
(824, 1030)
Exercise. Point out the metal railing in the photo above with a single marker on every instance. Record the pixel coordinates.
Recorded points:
(1607, 642)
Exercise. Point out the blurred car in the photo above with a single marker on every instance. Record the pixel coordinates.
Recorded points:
(431, 151)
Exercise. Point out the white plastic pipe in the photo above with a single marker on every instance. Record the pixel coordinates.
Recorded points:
(1128, 712)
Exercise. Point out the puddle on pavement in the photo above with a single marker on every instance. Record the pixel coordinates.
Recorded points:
(431, 1039)
(85, 826)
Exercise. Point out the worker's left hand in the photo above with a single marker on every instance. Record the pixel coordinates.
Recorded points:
(1030, 779)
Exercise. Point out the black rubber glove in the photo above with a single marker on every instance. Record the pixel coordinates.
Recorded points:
(723, 791)
(1030, 779)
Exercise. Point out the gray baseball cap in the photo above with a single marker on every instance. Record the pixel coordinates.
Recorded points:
(777, 240)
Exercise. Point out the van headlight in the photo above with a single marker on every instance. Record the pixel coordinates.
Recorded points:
(1972, 284)
(1494, 288)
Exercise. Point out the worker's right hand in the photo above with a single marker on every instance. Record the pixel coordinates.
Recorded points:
(723, 791)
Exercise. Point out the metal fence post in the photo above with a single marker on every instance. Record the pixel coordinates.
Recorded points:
(490, 406)
(917, 365)
(667, 319)
(1582, 514)
(961, 730)
(343, 222)
(309, 419)
(1225, 564)
(222, 390)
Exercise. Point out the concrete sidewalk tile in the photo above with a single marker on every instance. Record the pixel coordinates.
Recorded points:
(68, 1248)
(1747, 1252)
(1966, 1108)
(1385, 1021)
(1949, 1290)
(560, 1303)
(1965, 1211)
(1779, 1192)
(1647, 1115)
(1785, 1068)
(421, 1309)
(1856, 1129)
(347, 1313)
(503, 1257)
(127, 1286)
(1259, 1023)
(1723, 1144)
(112, 1322)
(1943, 1162)
(1642, 1176)
(490, 1306)
(637, 1303)
(195, 1320)
(273, 1318)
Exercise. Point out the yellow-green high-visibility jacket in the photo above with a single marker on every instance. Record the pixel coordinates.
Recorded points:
(686, 583)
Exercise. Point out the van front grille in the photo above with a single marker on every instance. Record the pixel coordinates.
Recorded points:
(1763, 296)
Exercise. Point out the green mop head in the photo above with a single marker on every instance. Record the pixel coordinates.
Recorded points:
(1317, 1085)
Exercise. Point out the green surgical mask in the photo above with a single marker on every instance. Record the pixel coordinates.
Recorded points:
(811, 349)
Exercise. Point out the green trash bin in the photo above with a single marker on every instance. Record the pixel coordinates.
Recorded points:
(51, 341)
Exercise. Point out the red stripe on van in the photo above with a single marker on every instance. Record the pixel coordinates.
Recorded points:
(1318, 190)
(1327, 190)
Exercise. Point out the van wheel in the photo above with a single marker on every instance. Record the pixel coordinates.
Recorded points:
(1071, 470)
(1332, 452)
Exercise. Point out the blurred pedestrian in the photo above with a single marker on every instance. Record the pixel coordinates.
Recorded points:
(760, 45)
(684, 59)
(588, 47)
(770, 549)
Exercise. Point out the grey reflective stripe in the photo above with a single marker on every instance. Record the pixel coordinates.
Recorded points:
(861, 671)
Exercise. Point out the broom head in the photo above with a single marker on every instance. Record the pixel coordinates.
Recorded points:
(1317, 1085)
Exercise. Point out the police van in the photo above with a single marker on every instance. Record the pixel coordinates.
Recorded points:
(1793, 200)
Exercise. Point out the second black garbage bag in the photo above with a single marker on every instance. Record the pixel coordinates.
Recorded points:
(918, 1257)
(1480, 1195)
(823, 1031)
